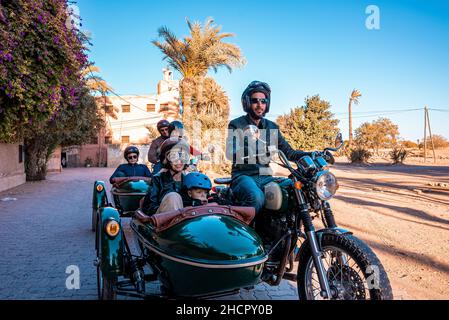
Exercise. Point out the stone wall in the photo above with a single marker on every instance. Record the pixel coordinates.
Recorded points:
(12, 170)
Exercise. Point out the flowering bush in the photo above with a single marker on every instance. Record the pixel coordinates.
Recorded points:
(41, 57)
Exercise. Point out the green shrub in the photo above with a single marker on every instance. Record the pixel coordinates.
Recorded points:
(398, 155)
(359, 155)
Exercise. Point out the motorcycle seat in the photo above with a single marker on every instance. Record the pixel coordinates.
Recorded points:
(226, 180)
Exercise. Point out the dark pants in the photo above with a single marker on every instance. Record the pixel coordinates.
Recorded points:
(249, 190)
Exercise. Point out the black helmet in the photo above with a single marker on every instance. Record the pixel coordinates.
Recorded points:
(162, 124)
(180, 146)
(131, 149)
(197, 180)
(176, 125)
(255, 86)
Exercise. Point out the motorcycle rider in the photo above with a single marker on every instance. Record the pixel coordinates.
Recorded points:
(130, 169)
(165, 192)
(176, 129)
(250, 165)
(153, 152)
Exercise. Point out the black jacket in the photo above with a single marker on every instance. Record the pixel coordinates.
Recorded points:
(237, 146)
(161, 184)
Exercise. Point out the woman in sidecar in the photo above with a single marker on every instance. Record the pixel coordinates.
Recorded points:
(195, 249)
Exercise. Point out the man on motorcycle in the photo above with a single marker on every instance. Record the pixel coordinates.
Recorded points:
(153, 152)
(250, 164)
(130, 169)
(165, 193)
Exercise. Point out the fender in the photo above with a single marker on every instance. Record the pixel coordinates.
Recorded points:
(112, 258)
(99, 198)
(320, 233)
(337, 231)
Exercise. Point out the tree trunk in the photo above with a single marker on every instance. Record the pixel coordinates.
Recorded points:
(36, 157)
(186, 96)
(350, 123)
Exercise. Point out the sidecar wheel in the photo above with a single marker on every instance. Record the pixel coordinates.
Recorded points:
(105, 286)
(353, 270)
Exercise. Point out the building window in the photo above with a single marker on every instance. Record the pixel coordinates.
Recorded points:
(108, 140)
(126, 108)
(151, 108)
(94, 140)
(164, 107)
(125, 139)
(20, 153)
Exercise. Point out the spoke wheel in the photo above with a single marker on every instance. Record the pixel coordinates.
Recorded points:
(352, 269)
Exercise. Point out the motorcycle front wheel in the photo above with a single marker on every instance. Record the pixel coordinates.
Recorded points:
(353, 271)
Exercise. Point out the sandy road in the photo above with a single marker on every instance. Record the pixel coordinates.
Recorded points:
(403, 219)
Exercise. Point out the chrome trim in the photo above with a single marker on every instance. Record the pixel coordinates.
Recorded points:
(196, 264)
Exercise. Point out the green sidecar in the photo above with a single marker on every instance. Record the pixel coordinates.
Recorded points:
(126, 198)
(202, 256)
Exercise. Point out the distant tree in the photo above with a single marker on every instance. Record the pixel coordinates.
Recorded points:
(409, 144)
(354, 98)
(439, 142)
(311, 126)
(381, 133)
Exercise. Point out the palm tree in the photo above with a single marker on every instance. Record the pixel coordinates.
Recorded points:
(194, 55)
(94, 82)
(97, 84)
(355, 95)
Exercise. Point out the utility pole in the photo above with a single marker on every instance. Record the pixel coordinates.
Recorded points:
(425, 133)
(430, 133)
(427, 123)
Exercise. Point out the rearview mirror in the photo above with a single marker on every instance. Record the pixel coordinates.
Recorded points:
(338, 140)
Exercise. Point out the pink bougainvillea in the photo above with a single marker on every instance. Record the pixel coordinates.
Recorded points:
(40, 63)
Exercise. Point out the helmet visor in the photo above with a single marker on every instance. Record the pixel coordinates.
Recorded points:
(174, 156)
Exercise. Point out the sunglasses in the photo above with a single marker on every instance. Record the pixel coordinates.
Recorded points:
(261, 100)
(132, 157)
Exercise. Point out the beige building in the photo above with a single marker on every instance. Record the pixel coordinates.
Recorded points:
(132, 115)
(12, 169)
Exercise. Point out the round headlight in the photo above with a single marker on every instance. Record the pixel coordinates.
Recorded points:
(112, 228)
(326, 185)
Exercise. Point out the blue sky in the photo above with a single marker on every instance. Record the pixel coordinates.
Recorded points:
(300, 48)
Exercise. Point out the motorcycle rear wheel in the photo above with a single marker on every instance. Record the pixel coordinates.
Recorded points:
(353, 270)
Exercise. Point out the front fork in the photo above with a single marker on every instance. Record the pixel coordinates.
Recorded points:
(317, 255)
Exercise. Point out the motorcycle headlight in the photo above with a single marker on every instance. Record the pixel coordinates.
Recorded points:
(326, 185)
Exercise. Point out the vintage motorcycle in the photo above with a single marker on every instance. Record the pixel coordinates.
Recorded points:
(213, 250)
(332, 262)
